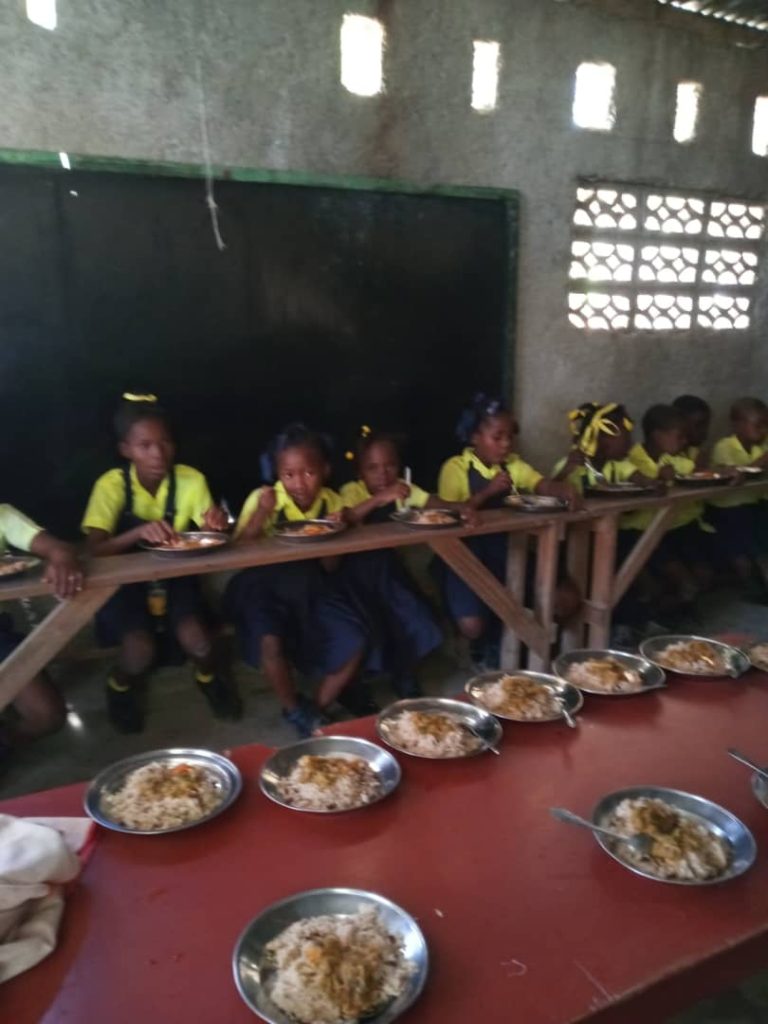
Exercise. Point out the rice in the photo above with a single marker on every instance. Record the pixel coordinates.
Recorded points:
(329, 783)
(160, 795)
(605, 674)
(520, 697)
(693, 656)
(431, 734)
(684, 847)
(758, 655)
(334, 969)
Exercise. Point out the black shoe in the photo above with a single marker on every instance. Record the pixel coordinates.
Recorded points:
(357, 700)
(124, 710)
(223, 699)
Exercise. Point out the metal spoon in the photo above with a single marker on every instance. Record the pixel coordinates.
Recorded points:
(762, 772)
(598, 474)
(641, 843)
(483, 740)
(570, 720)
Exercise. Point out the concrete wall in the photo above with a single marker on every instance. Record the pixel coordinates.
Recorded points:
(118, 77)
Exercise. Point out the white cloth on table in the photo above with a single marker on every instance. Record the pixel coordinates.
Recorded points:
(37, 856)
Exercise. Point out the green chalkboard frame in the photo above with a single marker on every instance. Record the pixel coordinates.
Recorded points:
(122, 165)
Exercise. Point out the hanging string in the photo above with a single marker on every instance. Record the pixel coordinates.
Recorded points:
(210, 198)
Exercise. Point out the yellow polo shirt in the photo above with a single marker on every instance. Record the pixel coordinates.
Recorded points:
(729, 451)
(453, 484)
(326, 502)
(689, 512)
(616, 471)
(355, 493)
(16, 529)
(108, 500)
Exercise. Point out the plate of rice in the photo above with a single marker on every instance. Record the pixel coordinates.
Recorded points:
(163, 791)
(758, 655)
(535, 503)
(15, 565)
(608, 673)
(524, 696)
(331, 956)
(189, 542)
(695, 842)
(695, 656)
(438, 728)
(328, 774)
(306, 531)
(428, 518)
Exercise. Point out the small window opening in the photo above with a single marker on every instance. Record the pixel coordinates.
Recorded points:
(687, 111)
(362, 51)
(485, 75)
(594, 97)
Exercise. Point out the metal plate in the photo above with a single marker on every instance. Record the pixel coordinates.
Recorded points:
(760, 789)
(618, 490)
(652, 676)
(414, 517)
(757, 661)
(21, 563)
(282, 761)
(720, 821)
(750, 470)
(475, 719)
(254, 977)
(291, 532)
(571, 696)
(535, 503)
(225, 774)
(208, 540)
(737, 660)
(703, 479)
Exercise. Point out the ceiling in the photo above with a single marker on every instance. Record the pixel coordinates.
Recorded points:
(748, 13)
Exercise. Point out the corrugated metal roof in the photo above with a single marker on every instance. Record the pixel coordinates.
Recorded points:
(748, 13)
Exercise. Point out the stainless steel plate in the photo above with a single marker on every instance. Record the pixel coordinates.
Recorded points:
(225, 775)
(475, 720)
(292, 532)
(736, 660)
(207, 541)
(282, 761)
(760, 788)
(652, 677)
(15, 565)
(571, 697)
(717, 819)
(757, 660)
(618, 490)
(418, 519)
(750, 470)
(703, 480)
(254, 976)
(535, 503)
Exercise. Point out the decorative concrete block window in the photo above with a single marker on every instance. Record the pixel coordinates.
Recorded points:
(362, 54)
(660, 260)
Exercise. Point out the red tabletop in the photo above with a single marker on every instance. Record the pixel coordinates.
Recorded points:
(525, 918)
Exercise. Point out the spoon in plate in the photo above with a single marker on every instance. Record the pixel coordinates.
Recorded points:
(641, 843)
(762, 772)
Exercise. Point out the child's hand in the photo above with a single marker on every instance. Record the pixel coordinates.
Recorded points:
(561, 489)
(468, 514)
(575, 459)
(157, 532)
(267, 500)
(666, 473)
(63, 571)
(762, 462)
(399, 491)
(501, 484)
(215, 519)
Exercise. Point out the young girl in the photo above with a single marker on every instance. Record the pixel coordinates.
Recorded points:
(39, 709)
(150, 498)
(483, 475)
(602, 438)
(402, 625)
(697, 417)
(295, 611)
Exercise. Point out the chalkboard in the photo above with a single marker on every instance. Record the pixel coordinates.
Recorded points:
(333, 306)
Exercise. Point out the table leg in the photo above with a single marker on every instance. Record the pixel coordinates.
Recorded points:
(641, 552)
(511, 612)
(548, 543)
(600, 604)
(578, 539)
(47, 639)
(517, 559)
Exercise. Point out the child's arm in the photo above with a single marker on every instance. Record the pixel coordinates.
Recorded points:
(101, 542)
(255, 525)
(575, 460)
(215, 518)
(500, 484)
(359, 513)
(63, 570)
(560, 489)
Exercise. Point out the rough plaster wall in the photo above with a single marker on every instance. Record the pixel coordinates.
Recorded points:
(118, 77)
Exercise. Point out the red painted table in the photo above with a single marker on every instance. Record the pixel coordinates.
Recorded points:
(526, 919)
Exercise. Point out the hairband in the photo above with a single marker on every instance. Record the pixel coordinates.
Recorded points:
(365, 431)
(587, 427)
(130, 397)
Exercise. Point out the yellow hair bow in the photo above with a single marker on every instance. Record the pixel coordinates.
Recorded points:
(587, 427)
(365, 431)
(130, 397)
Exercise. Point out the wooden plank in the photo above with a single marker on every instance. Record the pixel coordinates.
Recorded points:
(486, 586)
(635, 561)
(601, 588)
(544, 593)
(517, 561)
(577, 539)
(47, 639)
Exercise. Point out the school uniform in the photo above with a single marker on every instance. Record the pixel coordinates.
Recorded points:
(19, 531)
(615, 471)
(461, 477)
(299, 602)
(688, 538)
(118, 503)
(737, 517)
(402, 627)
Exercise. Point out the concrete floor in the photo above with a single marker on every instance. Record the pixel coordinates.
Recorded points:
(178, 715)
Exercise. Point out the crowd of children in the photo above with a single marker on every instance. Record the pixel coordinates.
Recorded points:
(341, 619)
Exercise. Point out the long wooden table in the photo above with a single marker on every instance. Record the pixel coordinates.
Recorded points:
(526, 919)
(589, 533)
